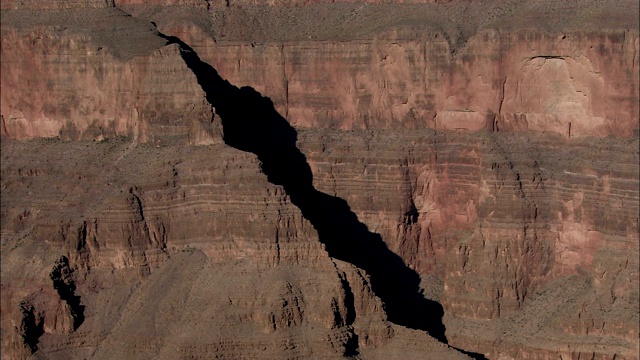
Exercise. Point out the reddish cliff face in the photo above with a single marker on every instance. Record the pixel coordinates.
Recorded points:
(472, 178)
(576, 82)
(139, 250)
(506, 223)
(573, 79)
(502, 81)
(80, 83)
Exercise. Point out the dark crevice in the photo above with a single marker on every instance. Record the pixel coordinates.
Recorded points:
(31, 326)
(547, 57)
(63, 283)
(136, 203)
(471, 354)
(351, 346)
(251, 123)
(348, 301)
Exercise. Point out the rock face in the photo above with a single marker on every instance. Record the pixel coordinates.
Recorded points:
(507, 81)
(507, 224)
(85, 83)
(190, 241)
(434, 184)
(503, 77)
(573, 81)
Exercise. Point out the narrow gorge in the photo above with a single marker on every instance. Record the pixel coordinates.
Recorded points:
(250, 123)
(319, 180)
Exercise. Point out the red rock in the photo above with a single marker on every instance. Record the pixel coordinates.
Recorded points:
(108, 89)
(504, 79)
(507, 232)
(494, 155)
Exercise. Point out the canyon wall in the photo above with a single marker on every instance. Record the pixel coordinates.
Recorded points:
(77, 84)
(574, 82)
(494, 163)
(506, 223)
(502, 81)
(172, 243)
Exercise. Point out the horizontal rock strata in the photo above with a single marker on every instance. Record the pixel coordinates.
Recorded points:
(415, 73)
(85, 81)
(484, 170)
(505, 222)
(172, 243)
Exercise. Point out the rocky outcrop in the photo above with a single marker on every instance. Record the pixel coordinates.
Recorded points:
(516, 81)
(502, 258)
(500, 78)
(497, 76)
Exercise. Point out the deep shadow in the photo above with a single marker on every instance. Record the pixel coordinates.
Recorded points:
(351, 346)
(31, 326)
(471, 354)
(66, 288)
(251, 123)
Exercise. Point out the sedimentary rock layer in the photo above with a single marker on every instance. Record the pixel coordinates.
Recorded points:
(103, 74)
(414, 71)
(492, 161)
(506, 265)
(505, 223)
(356, 67)
(501, 81)
(190, 241)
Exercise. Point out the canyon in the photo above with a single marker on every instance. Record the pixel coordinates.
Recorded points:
(318, 179)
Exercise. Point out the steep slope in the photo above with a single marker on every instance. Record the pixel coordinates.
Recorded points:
(345, 66)
(502, 66)
(136, 266)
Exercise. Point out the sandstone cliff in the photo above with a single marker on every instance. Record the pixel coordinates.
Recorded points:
(449, 178)
(103, 74)
(354, 68)
(410, 73)
(502, 81)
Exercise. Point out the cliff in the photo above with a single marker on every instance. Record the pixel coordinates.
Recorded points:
(502, 81)
(106, 80)
(172, 246)
(330, 181)
(528, 241)
(354, 67)
(410, 73)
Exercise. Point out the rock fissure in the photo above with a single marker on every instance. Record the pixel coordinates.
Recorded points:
(64, 284)
(386, 118)
(547, 57)
(252, 124)
(351, 346)
(31, 326)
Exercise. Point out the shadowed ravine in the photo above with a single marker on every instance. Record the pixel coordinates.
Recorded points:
(251, 123)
